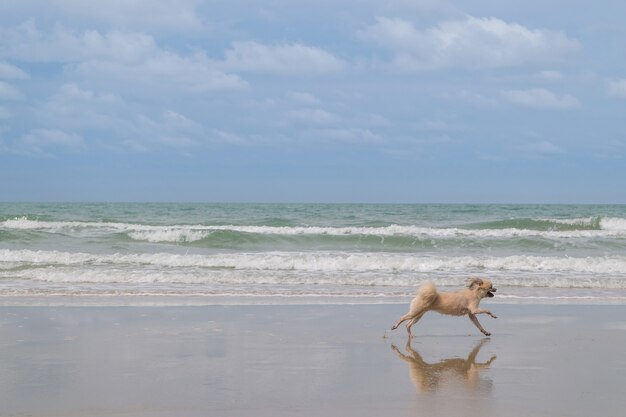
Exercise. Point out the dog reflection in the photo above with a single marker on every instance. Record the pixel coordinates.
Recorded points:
(429, 377)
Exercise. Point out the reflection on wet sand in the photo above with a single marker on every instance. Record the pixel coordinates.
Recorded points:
(429, 377)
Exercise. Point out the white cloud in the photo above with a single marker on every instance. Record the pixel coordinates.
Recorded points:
(9, 92)
(193, 74)
(171, 129)
(468, 97)
(540, 149)
(114, 124)
(118, 57)
(286, 59)
(39, 141)
(227, 137)
(302, 97)
(26, 43)
(437, 125)
(150, 14)
(422, 8)
(551, 76)
(11, 71)
(75, 108)
(617, 88)
(312, 116)
(540, 98)
(355, 135)
(75, 92)
(473, 43)
(377, 120)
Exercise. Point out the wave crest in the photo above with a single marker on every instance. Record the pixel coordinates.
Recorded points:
(594, 227)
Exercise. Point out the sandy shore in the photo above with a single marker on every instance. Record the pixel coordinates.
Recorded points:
(310, 360)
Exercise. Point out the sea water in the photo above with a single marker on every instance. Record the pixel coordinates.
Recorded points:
(360, 252)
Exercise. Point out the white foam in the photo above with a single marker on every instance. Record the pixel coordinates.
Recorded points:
(135, 231)
(169, 235)
(610, 227)
(613, 224)
(326, 261)
(583, 221)
(345, 268)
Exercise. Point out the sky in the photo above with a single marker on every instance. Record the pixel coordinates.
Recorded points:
(424, 101)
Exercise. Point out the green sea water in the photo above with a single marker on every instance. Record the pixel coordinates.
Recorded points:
(362, 251)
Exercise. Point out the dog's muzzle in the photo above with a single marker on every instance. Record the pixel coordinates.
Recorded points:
(490, 292)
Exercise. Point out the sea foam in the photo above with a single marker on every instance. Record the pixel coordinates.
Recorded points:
(320, 262)
(609, 227)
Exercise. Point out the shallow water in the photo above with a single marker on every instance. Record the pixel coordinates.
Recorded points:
(531, 252)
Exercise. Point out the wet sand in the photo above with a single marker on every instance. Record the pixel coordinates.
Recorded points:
(310, 360)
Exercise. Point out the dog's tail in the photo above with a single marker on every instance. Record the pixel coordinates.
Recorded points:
(427, 294)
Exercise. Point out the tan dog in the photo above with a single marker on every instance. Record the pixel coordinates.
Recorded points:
(457, 303)
(431, 376)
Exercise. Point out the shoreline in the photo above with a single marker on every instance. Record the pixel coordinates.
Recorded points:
(310, 360)
(171, 300)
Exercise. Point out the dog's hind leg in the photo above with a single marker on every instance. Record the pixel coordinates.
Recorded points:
(406, 317)
(477, 324)
(414, 320)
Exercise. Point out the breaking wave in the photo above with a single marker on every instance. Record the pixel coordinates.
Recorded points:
(552, 228)
(309, 268)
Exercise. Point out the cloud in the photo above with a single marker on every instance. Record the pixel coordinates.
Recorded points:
(474, 43)
(540, 98)
(164, 70)
(114, 124)
(352, 135)
(26, 43)
(437, 125)
(75, 92)
(150, 14)
(11, 71)
(540, 149)
(40, 141)
(284, 59)
(312, 116)
(76, 108)
(227, 137)
(471, 97)
(302, 97)
(171, 130)
(116, 56)
(9, 92)
(617, 88)
(467, 96)
(551, 76)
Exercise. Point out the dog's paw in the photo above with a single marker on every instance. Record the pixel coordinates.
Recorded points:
(494, 316)
(487, 333)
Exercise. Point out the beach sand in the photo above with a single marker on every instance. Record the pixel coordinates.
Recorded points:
(310, 360)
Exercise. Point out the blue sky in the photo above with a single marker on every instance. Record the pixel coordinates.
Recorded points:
(325, 101)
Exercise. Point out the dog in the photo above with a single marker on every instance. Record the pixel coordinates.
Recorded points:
(428, 377)
(459, 303)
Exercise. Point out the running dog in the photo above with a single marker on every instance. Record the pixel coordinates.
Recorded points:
(459, 303)
(429, 377)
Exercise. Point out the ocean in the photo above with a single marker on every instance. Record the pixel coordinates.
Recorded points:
(309, 252)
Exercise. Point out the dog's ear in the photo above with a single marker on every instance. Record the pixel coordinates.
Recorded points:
(473, 282)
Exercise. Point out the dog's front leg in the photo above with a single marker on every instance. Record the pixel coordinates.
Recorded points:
(483, 311)
(477, 324)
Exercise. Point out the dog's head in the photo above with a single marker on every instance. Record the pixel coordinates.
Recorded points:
(483, 287)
